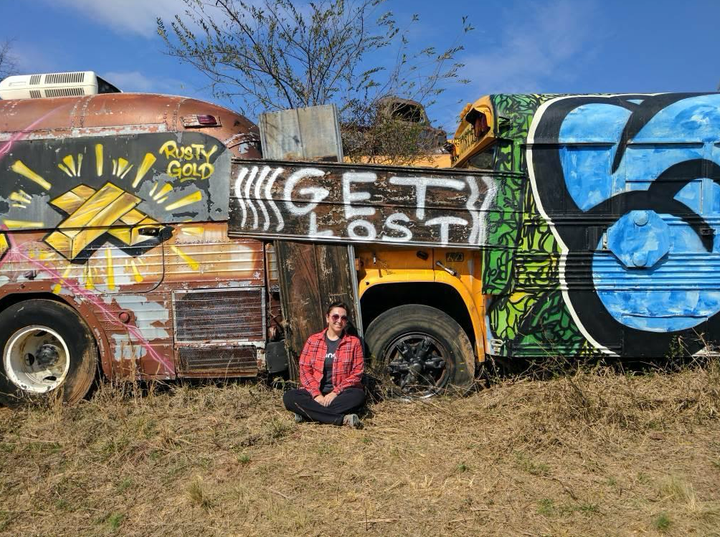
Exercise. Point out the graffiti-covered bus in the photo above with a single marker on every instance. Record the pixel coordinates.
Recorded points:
(142, 235)
(145, 237)
(604, 238)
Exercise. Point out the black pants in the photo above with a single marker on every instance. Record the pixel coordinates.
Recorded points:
(302, 402)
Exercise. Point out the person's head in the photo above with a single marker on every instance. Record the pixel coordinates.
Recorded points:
(336, 317)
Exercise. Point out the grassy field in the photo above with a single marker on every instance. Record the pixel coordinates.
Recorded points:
(588, 453)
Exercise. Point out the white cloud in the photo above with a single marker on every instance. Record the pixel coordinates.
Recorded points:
(541, 42)
(140, 16)
(130, 81)
(135, 16)
(136, 82)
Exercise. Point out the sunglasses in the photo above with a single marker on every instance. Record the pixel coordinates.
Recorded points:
(335, 318)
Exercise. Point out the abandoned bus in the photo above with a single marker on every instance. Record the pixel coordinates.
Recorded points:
(142, 235)
(603, 237)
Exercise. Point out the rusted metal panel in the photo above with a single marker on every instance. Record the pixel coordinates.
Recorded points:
(334, 274)
(219, 315)
(119, 114)
(273, 278)
(139, 327)
(369, 204)
(202, 256)
(311, 133)
(276, 321)
(218, 361)
(299, 292)
(311, 277)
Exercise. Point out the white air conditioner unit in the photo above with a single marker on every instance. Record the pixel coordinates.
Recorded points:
(73, 84)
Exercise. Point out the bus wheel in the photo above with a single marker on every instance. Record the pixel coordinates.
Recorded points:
(421, 349)
(47, 351)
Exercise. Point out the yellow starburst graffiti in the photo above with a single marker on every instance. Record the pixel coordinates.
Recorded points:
(21, 168)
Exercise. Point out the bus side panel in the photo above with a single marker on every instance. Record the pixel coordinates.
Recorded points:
(112, 292)
(219, 301)
(610, 243)
(526, 314)
(87, 219)
(629, 187)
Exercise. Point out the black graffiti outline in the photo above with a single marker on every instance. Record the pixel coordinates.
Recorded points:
(550, 181)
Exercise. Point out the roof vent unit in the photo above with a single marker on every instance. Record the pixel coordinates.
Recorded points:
(73, 84)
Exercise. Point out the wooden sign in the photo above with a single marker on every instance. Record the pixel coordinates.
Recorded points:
(363, 203)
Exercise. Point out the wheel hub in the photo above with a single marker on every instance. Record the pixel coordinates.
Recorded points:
(36, 359)
(47, 355)
(416, 360)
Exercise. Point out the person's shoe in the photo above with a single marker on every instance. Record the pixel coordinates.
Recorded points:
(352, 420)
(298, 418)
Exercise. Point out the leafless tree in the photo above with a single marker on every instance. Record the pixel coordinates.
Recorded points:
(8, 62)
(268, 55)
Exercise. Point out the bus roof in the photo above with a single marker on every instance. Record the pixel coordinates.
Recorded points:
(125, 113)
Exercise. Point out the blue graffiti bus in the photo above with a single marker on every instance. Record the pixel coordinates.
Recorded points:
(606, 239)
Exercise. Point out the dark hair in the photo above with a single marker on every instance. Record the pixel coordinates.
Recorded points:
(337, 304)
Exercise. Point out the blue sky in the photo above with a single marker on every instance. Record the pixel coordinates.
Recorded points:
(518, 46)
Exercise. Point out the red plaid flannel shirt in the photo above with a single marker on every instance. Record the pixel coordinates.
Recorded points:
(347, 367)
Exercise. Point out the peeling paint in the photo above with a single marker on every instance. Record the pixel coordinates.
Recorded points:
(124, 349)
(147, 315)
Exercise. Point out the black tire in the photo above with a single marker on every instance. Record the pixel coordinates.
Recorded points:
(406, 345)
(64, 347)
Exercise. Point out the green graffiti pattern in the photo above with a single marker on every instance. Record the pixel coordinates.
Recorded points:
(528, 312)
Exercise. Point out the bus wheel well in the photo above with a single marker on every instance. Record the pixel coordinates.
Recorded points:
(14, 298)
(381, 298)
(47, 348)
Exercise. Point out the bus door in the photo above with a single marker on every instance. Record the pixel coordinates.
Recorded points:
(311, 277)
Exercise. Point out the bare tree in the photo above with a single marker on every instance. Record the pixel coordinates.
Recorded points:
(273, 54)
(8, 63)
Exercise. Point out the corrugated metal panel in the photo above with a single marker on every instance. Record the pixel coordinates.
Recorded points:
(302, 134)
(218, 361)
(203, 256)
(272, 267)
(219, 315)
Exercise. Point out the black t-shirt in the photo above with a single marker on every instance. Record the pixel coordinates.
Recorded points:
(326, 385)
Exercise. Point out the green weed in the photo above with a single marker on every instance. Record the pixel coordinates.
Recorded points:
(530, 466)
(125, 484)
(198, 496)
(114, 520)
(662, 522)
(546, 507)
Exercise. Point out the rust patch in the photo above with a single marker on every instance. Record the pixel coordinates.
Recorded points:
(218, 361)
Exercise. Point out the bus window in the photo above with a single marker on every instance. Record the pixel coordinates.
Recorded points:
(483, 160)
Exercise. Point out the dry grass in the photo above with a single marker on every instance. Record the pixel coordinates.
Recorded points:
(585, 454)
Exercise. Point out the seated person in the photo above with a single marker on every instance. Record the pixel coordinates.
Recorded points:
(331, 370)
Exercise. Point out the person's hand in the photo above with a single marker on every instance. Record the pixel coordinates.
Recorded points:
(329, 398)
(320, 399)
